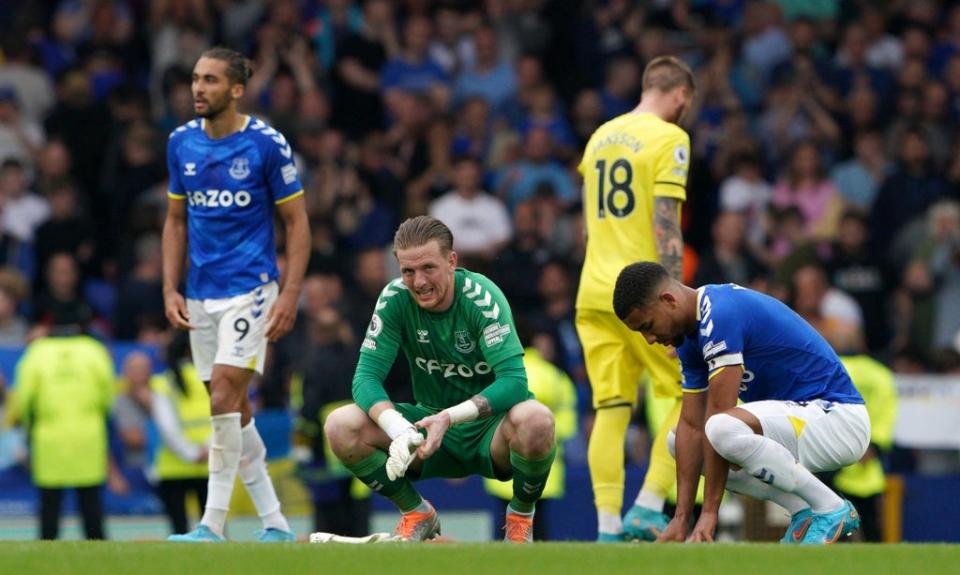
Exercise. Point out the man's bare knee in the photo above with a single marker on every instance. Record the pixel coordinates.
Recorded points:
(344, 430)
(533, 427)
(224, 398)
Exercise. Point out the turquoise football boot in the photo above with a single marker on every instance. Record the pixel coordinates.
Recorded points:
(200, 534)
(610, 537)
(643, 524)
(799, 523)
(827, 528)
(274, 535)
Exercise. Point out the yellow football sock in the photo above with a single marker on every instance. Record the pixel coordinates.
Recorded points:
(662, 472)
(605, 457)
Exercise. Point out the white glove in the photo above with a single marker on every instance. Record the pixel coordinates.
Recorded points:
(403, 450)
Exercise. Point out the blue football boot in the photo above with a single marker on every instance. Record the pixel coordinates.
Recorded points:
(826, 528)
(643, 524)
(200, 534)
(799, 523)
(274, 535)
(610, 537)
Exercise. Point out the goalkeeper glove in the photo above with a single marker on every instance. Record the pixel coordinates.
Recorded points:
(404, 442)
(403, 450)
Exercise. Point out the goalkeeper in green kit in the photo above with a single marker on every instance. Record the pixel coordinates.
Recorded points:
(469, 383)
(456, 330)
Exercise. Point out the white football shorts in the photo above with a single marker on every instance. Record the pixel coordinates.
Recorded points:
(231, 331)
(821, 435)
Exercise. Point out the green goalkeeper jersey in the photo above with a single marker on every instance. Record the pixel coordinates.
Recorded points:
(471, 348)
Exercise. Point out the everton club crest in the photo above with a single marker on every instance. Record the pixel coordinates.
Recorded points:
(240, 168)
(463, 342)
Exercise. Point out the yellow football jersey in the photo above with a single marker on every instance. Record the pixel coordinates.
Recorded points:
(627, 162)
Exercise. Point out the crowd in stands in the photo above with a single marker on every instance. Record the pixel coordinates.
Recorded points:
(824, 170)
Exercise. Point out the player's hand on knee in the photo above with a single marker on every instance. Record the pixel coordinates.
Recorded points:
(436, 426)
(175, 308)
(676, 531)
(704, 529)
(281, 316)
(403, 450)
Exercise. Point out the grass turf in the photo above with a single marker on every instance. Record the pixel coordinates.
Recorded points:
(144, 558)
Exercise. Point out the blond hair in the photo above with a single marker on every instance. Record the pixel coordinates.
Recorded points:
(664, 73)
(418, 231)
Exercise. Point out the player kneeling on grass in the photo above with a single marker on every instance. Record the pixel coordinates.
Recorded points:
(456, 330)
(801, 413)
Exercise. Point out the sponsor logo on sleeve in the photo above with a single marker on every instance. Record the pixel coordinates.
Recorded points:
(289, 173)
(376, 326)
(494, 334)
(369, 344)
(711, 348)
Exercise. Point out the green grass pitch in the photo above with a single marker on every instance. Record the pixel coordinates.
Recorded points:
(144, 558)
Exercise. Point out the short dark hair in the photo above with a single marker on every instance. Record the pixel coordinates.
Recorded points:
(12, 164)
(636, 286)
(238, 70)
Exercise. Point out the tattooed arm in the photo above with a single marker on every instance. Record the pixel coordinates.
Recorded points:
(483, 406)
(506, 390)
(666, 230)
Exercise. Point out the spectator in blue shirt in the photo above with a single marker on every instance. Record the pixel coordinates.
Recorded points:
(520, 180)
(413, 71)
(491, 77)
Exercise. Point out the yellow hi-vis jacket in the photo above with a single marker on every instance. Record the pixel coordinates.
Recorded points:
(875, 383)
(554, 389)
(193, 411)
(63, 392)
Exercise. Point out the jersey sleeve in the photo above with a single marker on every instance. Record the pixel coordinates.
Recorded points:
(379, 348)
(721, 333)
(282, 176)
(105, 370)
(693, 368)
(26, 379)
(493, 320)
(582, 166)
(499, 343)
(673, 162)
(175, 188)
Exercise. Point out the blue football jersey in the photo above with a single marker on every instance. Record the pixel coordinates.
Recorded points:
(231, 185)
(783, 357)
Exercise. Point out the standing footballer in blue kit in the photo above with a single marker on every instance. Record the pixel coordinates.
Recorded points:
(800, 415)
(228, 174)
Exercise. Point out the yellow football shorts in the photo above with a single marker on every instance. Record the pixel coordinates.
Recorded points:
(617, 357)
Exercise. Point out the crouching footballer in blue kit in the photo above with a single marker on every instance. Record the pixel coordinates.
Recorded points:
(800, 415)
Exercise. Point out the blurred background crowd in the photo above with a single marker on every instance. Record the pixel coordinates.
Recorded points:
(825, 166)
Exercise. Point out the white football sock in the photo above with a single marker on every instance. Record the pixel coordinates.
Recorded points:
(225, 447)
(253, 474)
(649, 500)
(609, 523)
(768, 461)
(745, 484)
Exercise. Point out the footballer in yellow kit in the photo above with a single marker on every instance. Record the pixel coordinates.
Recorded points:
(634, 171)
